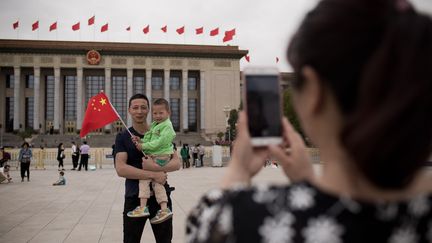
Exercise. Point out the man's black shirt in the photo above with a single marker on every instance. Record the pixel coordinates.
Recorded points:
(124, 143)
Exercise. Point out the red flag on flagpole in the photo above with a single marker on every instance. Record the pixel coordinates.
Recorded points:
(199, 31)
(214, 32)
(91, 20)
(104, 27)
(247, 58)
(98, 114)
(128, 28)
(53, 26)
(15, 25)
(180, 30)
(164, 29)
(229, 35)
(35, 25)
(76, 26)
(146, 29)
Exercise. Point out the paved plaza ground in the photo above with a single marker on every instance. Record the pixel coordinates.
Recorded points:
(89, 207)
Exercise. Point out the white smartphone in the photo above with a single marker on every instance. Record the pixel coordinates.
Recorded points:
(262, 102)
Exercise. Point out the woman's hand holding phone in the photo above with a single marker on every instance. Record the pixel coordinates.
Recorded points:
(246, 161)
(292, 155)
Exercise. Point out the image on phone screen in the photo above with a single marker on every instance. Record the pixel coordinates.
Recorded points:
(263, 105)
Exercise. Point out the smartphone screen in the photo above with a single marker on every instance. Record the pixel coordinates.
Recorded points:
(263, 108)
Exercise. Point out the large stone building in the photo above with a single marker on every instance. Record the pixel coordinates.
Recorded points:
(45, 85)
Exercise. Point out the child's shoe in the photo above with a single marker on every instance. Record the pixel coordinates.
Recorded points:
(139, 212)
(161, 216)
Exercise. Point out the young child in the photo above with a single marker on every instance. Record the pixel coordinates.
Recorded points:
(157, 143)
(61, 181)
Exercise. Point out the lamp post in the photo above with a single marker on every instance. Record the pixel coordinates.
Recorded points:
(1, 135)
(227, 110)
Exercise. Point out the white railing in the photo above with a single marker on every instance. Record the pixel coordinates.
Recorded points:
(102, 156)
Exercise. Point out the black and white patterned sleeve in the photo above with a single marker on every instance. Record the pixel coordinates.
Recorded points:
(211, 220)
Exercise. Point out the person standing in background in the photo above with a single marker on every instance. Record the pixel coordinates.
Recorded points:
(84, 151)
(184, 153)
(25, 155)
(194, 150)
(60, 156)
(75, 155)
(201, 153)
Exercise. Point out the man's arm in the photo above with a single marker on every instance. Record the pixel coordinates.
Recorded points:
(130, 172)
(173, 165)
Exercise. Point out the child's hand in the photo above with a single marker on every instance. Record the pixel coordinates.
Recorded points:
(137, 142)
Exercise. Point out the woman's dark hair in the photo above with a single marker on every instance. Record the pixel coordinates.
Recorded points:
(138, 96)
(375, 56)
(25, 143)
(59, 146)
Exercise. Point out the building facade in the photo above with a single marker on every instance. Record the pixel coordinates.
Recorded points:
(45, 85)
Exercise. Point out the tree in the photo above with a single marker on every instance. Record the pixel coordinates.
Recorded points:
(220, 135)
(232, 121)
(290, 113)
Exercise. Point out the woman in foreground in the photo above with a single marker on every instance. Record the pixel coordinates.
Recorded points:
(363, 95)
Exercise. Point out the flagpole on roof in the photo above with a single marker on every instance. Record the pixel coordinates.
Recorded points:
(130, 35)
(94, 28)
(38, 30)
(17, 32)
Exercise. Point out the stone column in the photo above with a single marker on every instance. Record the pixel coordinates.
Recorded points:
(149, 92)
(57, 99)
(107, 90)
(36, 95)
(129, 92)
(167, 85)
(202, 98)
(17, 89)
(79, 100)
(184, 104)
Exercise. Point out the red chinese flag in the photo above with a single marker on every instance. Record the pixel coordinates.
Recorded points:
(230, 32)
(229, 35)
(53, 26)
(214, 32)
(35, 25)
(91, 20)
(227, 38)
(164, 29)
(146, 29)
(247, 58)
(15, 25)
(104, 27)
(128, 28)
(76, 26)
(180, 30)
(99, 113)
(199, 31)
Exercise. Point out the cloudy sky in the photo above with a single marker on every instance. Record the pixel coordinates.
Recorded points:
(263, 27)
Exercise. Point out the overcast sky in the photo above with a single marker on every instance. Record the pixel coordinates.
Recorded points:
(263, 27)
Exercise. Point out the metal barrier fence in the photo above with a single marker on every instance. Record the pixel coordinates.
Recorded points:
(102, 156)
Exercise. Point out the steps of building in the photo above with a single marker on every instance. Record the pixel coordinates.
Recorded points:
(10, 140)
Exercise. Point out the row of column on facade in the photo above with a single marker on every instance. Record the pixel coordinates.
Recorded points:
(80, 108)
